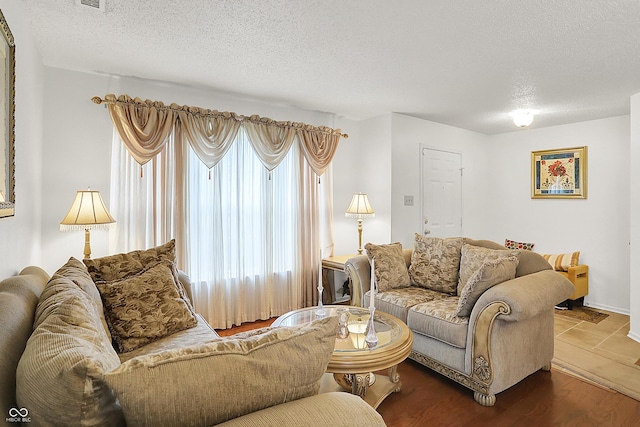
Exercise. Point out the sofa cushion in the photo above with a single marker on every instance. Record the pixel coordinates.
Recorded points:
(18, 300)
(512, 244)
(390, 267)
(212, 382)
(325, 409)
(397, 302)
(472, 257)
(145, 306)
(562, 262)
(490, 273)
(59, 376)
(437, 319)
(200, 333)
(77, 272)
(435, 263)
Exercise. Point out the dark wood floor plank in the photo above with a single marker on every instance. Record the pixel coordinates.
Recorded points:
(542, 399)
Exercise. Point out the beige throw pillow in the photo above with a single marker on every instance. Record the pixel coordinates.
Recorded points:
(213, 382)
(145, 307)
(59, 378)
(390, 267)
(76, 271)
(472, 257)
(490, 273)
(435, 263)
(562, 262)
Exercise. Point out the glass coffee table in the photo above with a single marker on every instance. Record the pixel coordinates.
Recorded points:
(353, 363)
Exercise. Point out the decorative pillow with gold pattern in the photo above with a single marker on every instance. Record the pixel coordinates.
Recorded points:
(473, 257)
(435, 263)
(145, 307)
(119, 266)
(490, 273)
(390, 267)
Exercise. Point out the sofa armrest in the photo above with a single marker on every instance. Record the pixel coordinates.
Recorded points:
(526, 296)
(358, 270)
(578, 271)
(325, 409)
(186, 284)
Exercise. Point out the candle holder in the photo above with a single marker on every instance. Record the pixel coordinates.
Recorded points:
(343, 320)
(371, 338)
(320, 311)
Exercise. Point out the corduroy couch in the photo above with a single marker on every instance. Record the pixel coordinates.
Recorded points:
(487, 337)
(58, 366)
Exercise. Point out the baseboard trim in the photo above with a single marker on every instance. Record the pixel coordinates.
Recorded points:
(618, 310)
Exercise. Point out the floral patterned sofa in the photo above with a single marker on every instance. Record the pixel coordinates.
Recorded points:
(481, 314)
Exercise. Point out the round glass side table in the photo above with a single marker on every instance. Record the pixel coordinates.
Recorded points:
(353, 363)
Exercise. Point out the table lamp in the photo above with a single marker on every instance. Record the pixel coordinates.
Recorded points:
(360, 208)
(87, 212)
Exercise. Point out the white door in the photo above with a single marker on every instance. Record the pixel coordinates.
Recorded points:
(441, 193)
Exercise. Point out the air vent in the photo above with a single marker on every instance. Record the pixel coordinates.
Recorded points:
(93, 4)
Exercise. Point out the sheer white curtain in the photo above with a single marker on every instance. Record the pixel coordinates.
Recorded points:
(241, 239)
(142, 198)
(254, 239)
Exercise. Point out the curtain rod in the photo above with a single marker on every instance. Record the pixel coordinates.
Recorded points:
(215, 113)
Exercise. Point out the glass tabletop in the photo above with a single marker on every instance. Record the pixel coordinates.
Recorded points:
(387, 328)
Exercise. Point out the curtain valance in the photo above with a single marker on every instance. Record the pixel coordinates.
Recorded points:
(145, 125)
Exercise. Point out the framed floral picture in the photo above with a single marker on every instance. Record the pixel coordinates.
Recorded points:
(560, 173)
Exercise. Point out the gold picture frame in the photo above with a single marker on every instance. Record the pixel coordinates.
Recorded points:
(7, 122)
(559, 174)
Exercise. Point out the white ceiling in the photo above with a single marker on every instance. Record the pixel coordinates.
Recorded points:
(465, 63)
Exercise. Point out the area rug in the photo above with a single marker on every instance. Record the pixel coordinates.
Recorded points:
(584, 314)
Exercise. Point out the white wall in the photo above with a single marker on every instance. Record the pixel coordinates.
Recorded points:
(77, 147)
(363, 164)
(598, 226)
(408, 134)
(634, 212)
(20, 234)
(496, 188)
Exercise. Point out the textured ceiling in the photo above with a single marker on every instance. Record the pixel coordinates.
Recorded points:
(465, 63)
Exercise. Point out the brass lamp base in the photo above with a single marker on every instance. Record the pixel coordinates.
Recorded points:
(87, 244)
(359, 236)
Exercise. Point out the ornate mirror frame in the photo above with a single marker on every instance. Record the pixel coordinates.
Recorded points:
(7, 122)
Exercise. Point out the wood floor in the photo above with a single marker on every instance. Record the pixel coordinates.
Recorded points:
(543, 399)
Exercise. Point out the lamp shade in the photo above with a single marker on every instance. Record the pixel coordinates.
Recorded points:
(87, 212)
(359, 207)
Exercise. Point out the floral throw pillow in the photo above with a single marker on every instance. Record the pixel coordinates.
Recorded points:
(120, 266)
(390, 267)
(435, 263)
(490, 273)
(145, 307)
(512, 244)
(473, 257)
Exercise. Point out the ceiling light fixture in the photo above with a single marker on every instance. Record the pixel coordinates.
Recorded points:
(523, 117)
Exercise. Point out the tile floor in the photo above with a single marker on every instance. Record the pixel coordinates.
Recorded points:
(601, 353)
